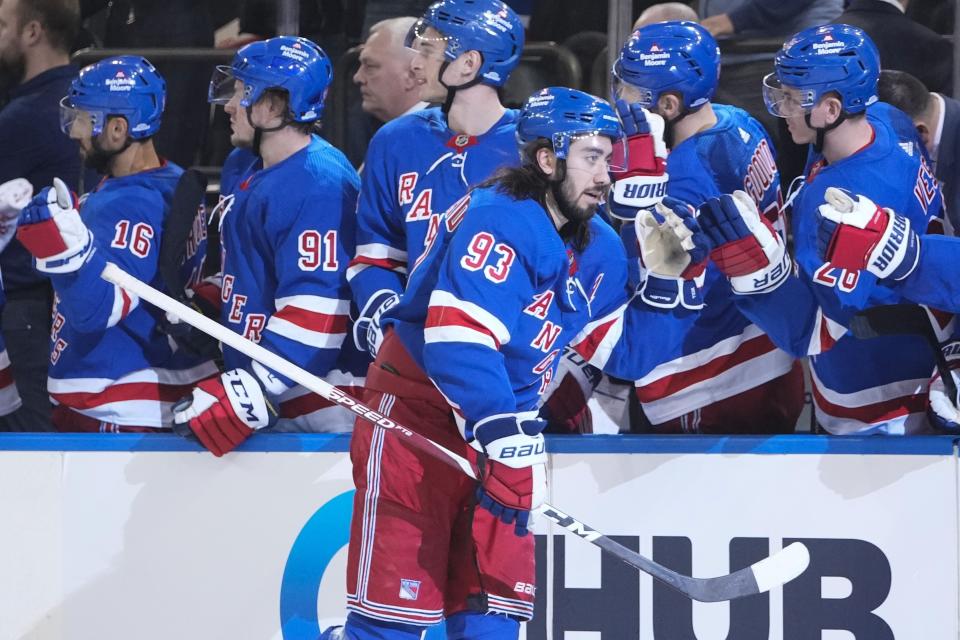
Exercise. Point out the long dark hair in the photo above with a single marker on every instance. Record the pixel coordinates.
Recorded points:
(528, 182)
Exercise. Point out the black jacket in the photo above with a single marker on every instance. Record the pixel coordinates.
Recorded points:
(904, 44)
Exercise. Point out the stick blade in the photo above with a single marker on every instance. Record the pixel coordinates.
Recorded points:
(782, 567)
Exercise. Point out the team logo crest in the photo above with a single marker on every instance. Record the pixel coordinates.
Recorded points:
(409, 589)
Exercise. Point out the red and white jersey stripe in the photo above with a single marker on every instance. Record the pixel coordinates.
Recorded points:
(450, 319)
(377, 255)
(701, 378)
(899, 407)
(142, 398)
(314, 321)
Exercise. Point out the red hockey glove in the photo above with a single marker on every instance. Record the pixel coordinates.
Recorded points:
(513, 468)
(748, 250)
(52, 231)
(644, 183)
(224, 410)
(853, 233)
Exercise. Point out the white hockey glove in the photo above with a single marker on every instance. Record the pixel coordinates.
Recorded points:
(14, 195)
(853, 233)
(673, 255)
(513, 468)
(943, 412)
(747, 249)
(52, 231)
(225, 410)
(367, 332)
(644, 183)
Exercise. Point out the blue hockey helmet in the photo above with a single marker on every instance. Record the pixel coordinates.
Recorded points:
(127, 86)
(488, 26)
(563, 115)
(832, 58)
(667, 56)
(292, 64)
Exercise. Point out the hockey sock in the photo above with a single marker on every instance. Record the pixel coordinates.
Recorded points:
(360, 627)
(473, 625)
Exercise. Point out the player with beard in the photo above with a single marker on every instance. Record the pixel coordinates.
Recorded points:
(519, 267)
(110, 367)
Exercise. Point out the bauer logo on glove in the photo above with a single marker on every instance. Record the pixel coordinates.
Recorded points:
(644, 183)
(52, 231)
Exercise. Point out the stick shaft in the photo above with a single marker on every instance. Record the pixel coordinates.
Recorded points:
(736, 585)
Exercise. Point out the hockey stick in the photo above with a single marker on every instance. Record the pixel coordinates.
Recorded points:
(904, 319)
(759, 577)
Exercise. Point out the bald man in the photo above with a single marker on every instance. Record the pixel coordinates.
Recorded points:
(387, 84)
(664, 12)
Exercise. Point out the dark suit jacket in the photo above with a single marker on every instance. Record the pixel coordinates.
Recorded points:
(948, 164)
(904, 44)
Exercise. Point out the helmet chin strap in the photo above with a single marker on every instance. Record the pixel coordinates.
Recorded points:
(259, 131)
(452, 91)
(822, 131)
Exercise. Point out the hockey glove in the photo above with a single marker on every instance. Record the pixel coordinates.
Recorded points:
(224, 410)
(14, 195)
(52, 231)
(644, 183)
(673, 255)
(853, 233)
(367, 332)
(748, 250)
(943, 412)
(513, 478)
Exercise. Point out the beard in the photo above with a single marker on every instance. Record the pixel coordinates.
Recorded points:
(99, 159)
(13, 67)
(567, 202)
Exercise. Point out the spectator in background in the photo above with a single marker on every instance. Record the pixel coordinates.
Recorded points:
(766, 18)
(904, 45)
(665, 12)
(35, 41)
(387, 84)
(167, 23)
(937, 118)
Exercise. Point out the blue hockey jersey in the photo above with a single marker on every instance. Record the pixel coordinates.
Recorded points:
(108, 360)
(415, 168)
(720, 353)
(859, 386)
(286, 235)
(497, 296)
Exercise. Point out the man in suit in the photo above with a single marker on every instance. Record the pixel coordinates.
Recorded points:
(937, 119)
(904, 45)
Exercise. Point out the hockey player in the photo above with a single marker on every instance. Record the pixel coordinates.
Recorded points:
(825, 78)
(727, 375)
(14, 196)
(519, 267)
(110, 367)
(420, 164)
(286, 233)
